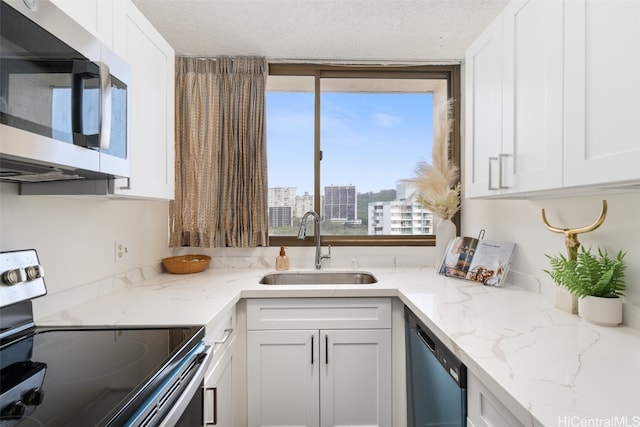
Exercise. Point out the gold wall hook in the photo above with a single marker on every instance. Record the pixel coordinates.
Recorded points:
(571, 234)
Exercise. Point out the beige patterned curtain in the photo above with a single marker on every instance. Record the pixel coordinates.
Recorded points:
(221, 155)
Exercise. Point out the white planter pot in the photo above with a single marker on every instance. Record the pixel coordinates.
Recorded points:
(601, 311)
(566, 301)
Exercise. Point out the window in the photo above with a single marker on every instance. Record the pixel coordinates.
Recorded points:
(339, 139)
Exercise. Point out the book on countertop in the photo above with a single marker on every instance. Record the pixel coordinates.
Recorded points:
(477, 259)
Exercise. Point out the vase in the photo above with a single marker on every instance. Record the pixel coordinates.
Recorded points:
(445, 231)
(601, 311)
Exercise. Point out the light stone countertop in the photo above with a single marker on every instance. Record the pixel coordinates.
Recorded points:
(549, 367)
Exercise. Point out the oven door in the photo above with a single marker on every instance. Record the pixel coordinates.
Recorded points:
(178, 401)
(188, 410)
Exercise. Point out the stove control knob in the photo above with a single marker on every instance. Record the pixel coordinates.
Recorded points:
(33, 397)
(34, 272)
(13, 410)
(12, 277)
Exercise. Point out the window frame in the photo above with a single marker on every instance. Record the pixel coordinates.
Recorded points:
(449, 72)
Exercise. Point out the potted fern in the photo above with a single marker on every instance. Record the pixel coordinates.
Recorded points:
(597, 280)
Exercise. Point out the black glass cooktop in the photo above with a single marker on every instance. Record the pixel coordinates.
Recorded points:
(86, 376)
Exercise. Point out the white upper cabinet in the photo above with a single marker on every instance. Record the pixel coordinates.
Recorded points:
(483, 110)
(96, 16)
(125, 30)
(552, 99)
(151, 102)
(602, 110)
(514, 102)
(532, 95)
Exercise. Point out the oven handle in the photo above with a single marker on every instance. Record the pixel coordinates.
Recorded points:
(195, 385)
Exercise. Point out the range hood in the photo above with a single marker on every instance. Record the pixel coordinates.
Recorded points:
(37, 178)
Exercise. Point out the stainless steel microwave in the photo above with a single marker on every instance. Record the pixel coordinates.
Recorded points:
(63, 98)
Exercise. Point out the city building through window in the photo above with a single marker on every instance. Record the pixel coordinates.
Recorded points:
(339, 142)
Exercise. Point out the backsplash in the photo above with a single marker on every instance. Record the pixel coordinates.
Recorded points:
(521, 221)
(75, 238)
(342, 257)
(55, 302)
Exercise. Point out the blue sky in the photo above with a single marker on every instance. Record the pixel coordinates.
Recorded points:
(368, 140)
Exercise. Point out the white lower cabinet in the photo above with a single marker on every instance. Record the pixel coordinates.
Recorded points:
(324, 374)
(218, 392)
(221, 379)
(282, 379)
(355, 377)
(484, 409)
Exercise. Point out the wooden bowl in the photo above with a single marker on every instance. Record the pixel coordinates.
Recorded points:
(186, 264)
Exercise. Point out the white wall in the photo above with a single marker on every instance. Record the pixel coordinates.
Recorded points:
(520, 221)
(75, 237)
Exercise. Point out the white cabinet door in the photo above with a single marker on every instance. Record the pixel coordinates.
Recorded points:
(151, 102)
(532, 95)
(96, 16)
(219, 390)
(484, 409)
(602, 92)
(355, 377)
(483, 136)
(283, 378)
(319, 375)
(514, 131)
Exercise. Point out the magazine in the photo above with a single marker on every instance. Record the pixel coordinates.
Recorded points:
(480, 260)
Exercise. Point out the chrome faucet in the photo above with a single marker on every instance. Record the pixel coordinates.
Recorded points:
(316, 231)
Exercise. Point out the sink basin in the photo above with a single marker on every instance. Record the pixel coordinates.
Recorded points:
(319, 278)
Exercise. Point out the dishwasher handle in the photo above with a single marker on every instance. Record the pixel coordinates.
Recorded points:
(449, 361)
(426, 339)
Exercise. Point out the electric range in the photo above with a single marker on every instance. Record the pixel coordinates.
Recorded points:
(88, 376)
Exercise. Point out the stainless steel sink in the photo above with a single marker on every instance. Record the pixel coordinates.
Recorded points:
(319, 278)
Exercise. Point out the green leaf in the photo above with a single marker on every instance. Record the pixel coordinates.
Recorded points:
(589, 274)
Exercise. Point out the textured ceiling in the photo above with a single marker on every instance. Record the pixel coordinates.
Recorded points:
(332, 30)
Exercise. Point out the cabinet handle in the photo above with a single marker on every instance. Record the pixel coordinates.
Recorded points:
(128, 186)
(312, 349)
(491, 160)
(214, 392)
(326, 349)
(225, 337)
(501, 158)
(223, 341)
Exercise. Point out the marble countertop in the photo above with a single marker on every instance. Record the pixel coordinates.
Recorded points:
(548, 367)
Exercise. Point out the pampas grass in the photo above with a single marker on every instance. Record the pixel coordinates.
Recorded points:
(437, 185)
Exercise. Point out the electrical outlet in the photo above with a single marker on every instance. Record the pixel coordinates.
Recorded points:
(121, 251)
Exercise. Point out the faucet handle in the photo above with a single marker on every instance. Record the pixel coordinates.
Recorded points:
(327, 255)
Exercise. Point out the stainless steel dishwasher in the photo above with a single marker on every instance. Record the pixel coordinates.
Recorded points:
(436, 379)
